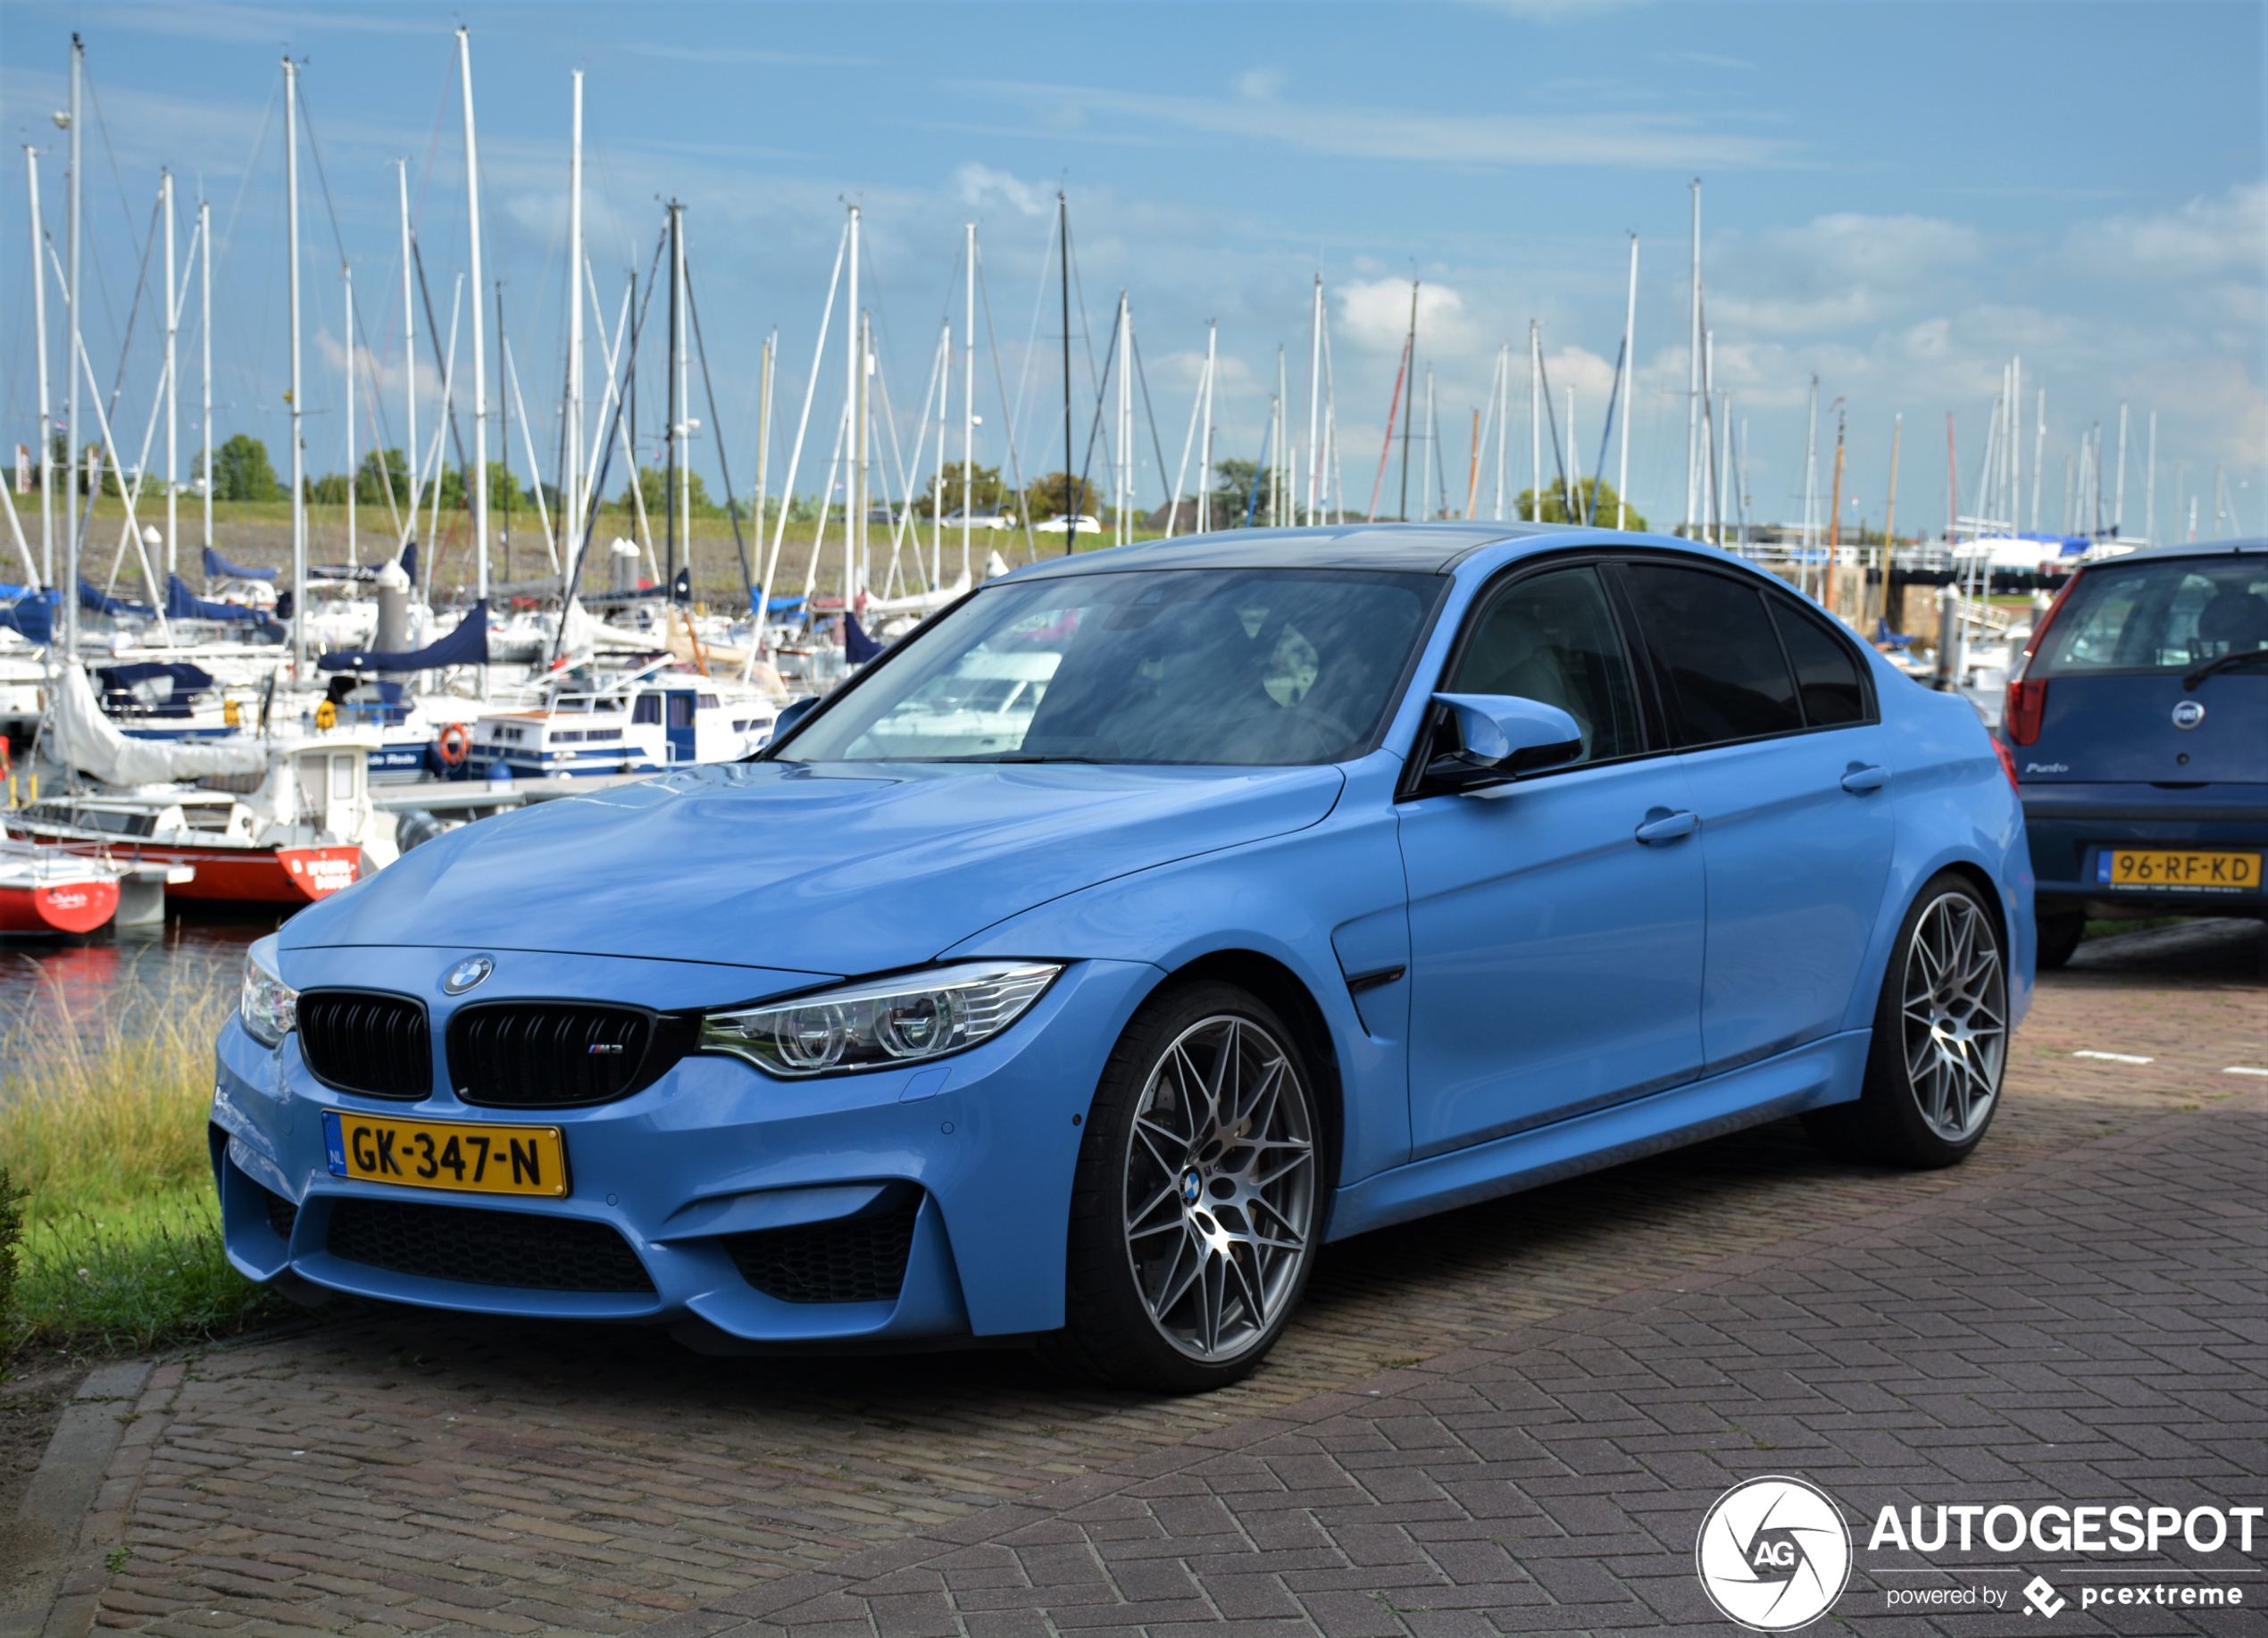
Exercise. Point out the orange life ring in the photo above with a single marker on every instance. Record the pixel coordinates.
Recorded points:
(453, 745)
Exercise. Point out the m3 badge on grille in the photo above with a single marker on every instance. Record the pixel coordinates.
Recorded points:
(466, 974)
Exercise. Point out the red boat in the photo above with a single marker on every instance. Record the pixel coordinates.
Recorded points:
(48, 894)
(206, 831)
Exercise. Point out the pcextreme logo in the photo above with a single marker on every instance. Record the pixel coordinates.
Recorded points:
(1773, 1554)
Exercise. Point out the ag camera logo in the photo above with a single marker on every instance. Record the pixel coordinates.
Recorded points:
(1773, 1554)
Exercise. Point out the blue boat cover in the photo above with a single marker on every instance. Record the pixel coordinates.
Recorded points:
(467, 645)
(182, 604)
(33, 618)
(857, 647)
(217, 567)
(102, 603)
(780, 605)
(123, 689)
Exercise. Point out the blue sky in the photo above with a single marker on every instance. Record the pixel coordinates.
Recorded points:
(1896, 198)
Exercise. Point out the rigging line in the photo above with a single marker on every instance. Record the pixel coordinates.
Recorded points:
(1086, 328)
(433, 334)
(590, 519)
(134, 313)
(1031, 345)
(338, 239)
(1613, 396)
(1086, 460)
(125, 207)
(1143, 377)
(636, 492)
(724, 463)
(1551, 419)
(1015, 469)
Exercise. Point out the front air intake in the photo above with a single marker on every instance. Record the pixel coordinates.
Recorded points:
(561, 1054)
(530, 1250)
(850, 1259)
(367, 1042)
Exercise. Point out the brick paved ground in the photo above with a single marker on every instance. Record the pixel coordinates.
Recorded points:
(2090, 1328)
(390, 1471)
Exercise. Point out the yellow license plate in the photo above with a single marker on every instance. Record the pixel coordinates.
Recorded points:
(2186, 869)
(479, 1159)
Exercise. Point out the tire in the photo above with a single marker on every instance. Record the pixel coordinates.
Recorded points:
(1940, 1046)
(2059, 937)
(1191, 1244)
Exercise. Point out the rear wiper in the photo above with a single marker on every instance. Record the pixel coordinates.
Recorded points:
(2227, 662)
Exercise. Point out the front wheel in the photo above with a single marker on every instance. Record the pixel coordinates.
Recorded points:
(1198, 1195)
(1940, 1046)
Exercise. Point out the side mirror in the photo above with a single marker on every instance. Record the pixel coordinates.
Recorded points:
(789, 715)
(1504, 736)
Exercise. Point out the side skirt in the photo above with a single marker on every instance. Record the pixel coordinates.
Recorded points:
(1809, 1077)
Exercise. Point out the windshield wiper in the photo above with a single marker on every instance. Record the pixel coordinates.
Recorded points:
(1021, 756)
(2227, 662)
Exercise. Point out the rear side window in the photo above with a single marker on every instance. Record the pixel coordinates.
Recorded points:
(2158, 616)
(1826, 674)
(1727, 674)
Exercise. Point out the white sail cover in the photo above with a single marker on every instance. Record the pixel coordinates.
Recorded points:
(82, 737)
(921, 602)
(585, 632)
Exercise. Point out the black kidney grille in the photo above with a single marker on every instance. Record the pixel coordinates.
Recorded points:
(532, 1055)
(525, 1249)
(850, 1259)
(283, 1216)
(363, 1040)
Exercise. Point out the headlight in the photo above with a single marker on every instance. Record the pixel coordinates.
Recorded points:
(887, 1021)
(269, 1006)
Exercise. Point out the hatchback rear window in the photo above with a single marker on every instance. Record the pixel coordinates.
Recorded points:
(2158, 616)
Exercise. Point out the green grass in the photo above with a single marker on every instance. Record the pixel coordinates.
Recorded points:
(103, 1126)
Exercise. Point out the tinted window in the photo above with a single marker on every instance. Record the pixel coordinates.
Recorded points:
(1552, 638)
(648, 709)
(1826, 674)
(1726, 669)
(2159, 616)
(1187, 665)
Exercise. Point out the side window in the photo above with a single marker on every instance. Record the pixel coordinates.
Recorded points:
(1726, 668)
(1552, 638)
(1826, 675)
(648, 708)
(681, 710)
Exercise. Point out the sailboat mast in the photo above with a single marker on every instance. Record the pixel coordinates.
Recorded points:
(2118, 504)
(2150, 485)
(1693, 388)
(347, 274)
(1125, 419)
(1315, 402)
(674, 466)
(1204, 429)
(1630, 401)
(46, 415)
(71, 371)
(409, 347)
(204, 340)
(854, 470)
(1062, 260)
(480, 365)
(298, 452)
(1408, 405)
(968, 394)
(1535, 423)
(174, 390)
(1504, 407)
(571, 486)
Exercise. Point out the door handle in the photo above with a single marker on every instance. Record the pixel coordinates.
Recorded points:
(1861, 777)
(1662, 825)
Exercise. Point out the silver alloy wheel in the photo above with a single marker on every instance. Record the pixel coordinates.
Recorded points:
(1219, 1188)
(1954, 1005)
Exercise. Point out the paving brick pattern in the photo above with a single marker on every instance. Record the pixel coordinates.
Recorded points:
(2092, 1327)
(386, 1471)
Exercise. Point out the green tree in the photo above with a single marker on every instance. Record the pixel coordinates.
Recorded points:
(1043, 496)
(653, 483)
(1233, 484)
(241, 472)
(986, 493)
(379, 472)
(327, 490)
(1595, 495)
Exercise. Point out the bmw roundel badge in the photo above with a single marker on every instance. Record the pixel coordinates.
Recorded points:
(466, 974)
(2188, 714)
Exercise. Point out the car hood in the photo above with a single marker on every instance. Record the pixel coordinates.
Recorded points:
(835, 868)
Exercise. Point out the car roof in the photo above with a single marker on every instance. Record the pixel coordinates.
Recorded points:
(1426, 549)
(2188, 548)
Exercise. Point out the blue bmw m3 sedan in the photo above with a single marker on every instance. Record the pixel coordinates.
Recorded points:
(1137, 925)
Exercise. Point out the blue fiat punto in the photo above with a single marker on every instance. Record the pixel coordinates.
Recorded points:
(1137, 925)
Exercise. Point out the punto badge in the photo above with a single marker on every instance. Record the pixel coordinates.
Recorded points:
(2188, 714)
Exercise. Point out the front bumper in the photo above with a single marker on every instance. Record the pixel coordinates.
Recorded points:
(986, 1141)
(2072, 826)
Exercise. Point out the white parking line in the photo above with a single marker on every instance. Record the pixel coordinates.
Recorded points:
(2243, 1069)
(2115, 1057)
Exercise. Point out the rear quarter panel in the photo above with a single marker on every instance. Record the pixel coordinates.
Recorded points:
(1955, 807)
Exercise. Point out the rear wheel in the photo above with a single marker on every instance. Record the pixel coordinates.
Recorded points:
(1194, 1210)
(1940, 1046)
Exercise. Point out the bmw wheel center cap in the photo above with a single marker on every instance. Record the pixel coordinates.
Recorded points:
(467, 973)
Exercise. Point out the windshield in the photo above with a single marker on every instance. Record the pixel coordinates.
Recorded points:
(1191, 665)
(2159, 616)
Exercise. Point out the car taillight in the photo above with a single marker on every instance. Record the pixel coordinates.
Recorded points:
(2020, 717)
(2007, 762)
(2026, 706)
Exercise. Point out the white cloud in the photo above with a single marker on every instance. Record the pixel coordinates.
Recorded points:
(980, 185)
(1259, 84)
(1375, 315)
(2203, 238)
